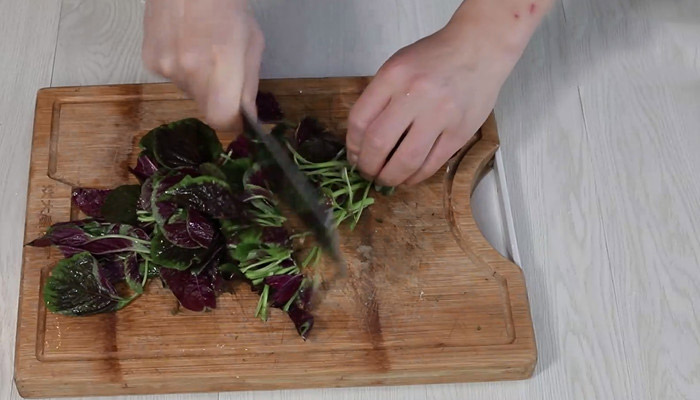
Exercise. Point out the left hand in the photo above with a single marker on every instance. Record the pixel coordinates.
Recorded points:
(440, 90)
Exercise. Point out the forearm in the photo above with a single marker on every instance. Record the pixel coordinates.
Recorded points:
(506, 25)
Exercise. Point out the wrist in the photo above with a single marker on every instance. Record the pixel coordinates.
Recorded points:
(502, 29)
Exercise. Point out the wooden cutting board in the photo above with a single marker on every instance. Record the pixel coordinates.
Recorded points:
(427, 299)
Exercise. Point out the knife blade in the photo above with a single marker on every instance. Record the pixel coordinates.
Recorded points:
(301, 196)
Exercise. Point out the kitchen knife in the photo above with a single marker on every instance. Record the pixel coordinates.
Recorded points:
(300, 195)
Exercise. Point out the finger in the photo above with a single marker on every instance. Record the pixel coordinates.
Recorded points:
(251, 77)
(159, 40)
(383, 134)
(412, 152)
(371, 103)
(449, 142)
(224, 89)
(194, 57)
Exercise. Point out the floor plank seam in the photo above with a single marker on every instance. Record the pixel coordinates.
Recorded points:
(55, 47)
(616, 310)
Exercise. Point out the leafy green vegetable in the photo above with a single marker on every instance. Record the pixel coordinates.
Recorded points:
(213, 170)
(185, 143)
(97, 238)
(89, 201)
(207, 194)
(234, 170)
(120, 205)
(202, 215)
(196, 292)
(133, 273)
(168, 255)
(75, 287)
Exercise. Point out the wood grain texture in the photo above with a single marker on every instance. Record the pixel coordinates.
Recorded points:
(652, 227)
(22, 72)
(567, 211)
(106, 36)
(454, 303)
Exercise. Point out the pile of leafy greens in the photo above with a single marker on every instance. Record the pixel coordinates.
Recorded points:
(201, 215)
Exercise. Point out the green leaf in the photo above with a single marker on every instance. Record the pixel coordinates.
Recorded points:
(242, 252)
(120, 205)
(148, 144)
(168, 255)
(229, 268)
(188, 142)
(230, 229)
(152, 270)
(75, 288)
(94, 228)
(211, 169)
(134, 271)
(234, 170)
(251, 235)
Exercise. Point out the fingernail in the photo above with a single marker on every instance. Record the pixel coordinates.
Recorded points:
(352, 157)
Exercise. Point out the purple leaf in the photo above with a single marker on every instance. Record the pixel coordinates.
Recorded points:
(107, 245)
(69, 251)
(258, 178)
(305, 292)
(72, 238)
(307, 129)
(194, 292)
(145, 167)
(163, 210)
(90, 201)
(268, 107)
(176, 233)
(137, 233)
(241, 147)
(111, 267)
(188, 142)
(315, 143)
(128, 230)
(211, 259)
(175, 230)
(276, 235)
(64, 234)
(303, 321)
(199, 228)
(284, 287)
(146, 193)
(207, 194)
(168, 255)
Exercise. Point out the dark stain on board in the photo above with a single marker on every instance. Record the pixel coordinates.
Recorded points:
(366, 290)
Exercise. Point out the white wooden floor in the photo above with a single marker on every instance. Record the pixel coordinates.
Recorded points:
(600, 125)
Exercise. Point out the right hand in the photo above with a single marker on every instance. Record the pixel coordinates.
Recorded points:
(211, 49)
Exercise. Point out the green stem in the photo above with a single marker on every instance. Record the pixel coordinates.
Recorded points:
(290, 302)
(261, 310)
(265, 271)
(288, 270)
(144, 272)
(263, 261)
(347, 190)
(349, 185)
(327, 164)
(312, 254)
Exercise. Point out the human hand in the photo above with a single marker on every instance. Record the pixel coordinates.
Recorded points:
(211, 49)
(440, 90)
